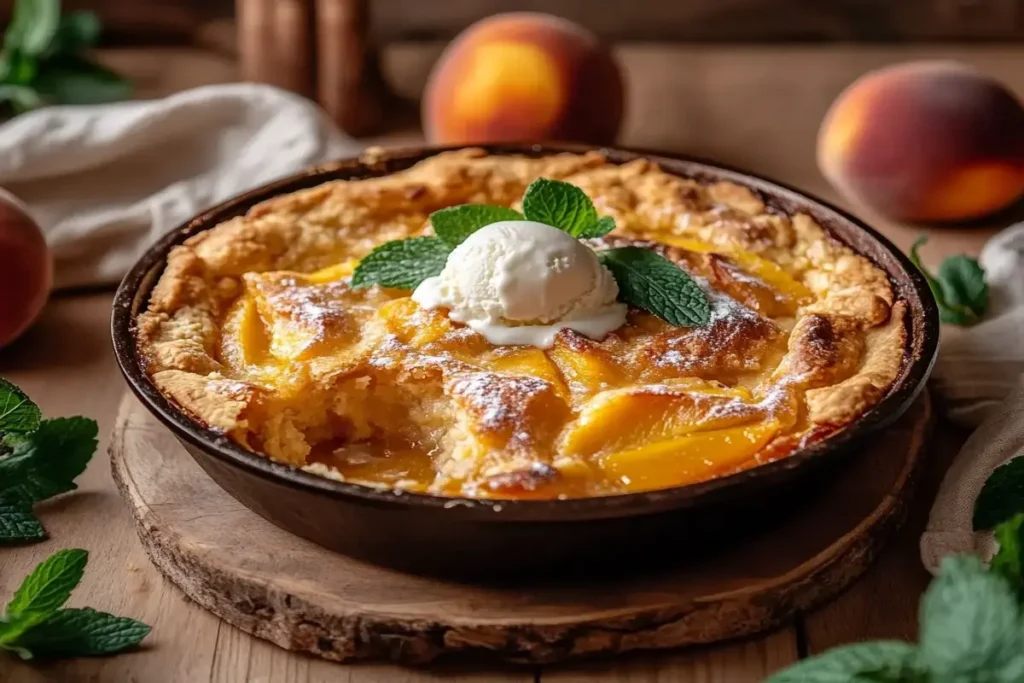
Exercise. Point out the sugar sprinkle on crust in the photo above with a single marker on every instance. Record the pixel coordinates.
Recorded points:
(248, 333)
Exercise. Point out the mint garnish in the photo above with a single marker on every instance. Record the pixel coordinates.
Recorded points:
(402, 264)
(646, 280)
(39, 459)
(34, 625)
(560, 205)
(1009, 561)
(650, 281)
(972, 629)
(17, 522)
(970, 621)
(456, 223)
(887, 661)
(17, 413)
(1002, 496)
(959, 287)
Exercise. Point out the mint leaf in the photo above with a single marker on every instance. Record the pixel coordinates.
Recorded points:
(18, 99)
(48, 460)
(963, 283)
(76, 32)
(402, 264)
(18, 414)
(17, 523)
(1009, 561)
(650, 281)
(599, 228)
(73, 80)
(33, 26)
(970, 623)
(49, 585)
(560, 205)
(456, 223)
(1002, 495)
(80, 633)
(959, 289)
(884, 661)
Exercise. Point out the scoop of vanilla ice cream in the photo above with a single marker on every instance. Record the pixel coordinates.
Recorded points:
(519, 282)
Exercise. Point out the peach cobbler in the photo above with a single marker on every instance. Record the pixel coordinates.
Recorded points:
(514, 361)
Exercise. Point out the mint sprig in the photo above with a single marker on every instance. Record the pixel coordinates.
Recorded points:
(566, 207)
(34, 625)
(1002, 495)
(402, 264)
(646, 280)
(650, 281)
(958, 286)
(43, 60)
(971, 628)
(454, 224)
(18, 414)
(39, 459)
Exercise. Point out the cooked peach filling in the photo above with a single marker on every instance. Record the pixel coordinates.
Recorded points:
(405, 397)
(255, 330)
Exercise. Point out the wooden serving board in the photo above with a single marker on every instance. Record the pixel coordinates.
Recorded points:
(305, 598)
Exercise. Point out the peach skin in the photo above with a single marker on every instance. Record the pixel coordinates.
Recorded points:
(25, 269)
(925, 141)
(524, 76)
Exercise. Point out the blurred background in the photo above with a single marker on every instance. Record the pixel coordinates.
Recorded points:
(744, 82)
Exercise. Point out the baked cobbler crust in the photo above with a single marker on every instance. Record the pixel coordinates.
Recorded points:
(254, 330)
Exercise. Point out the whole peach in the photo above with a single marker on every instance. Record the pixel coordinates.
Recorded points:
(26, 270)
(524, 76)
(925, 141)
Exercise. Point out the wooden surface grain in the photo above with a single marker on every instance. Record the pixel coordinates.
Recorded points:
(757, 108)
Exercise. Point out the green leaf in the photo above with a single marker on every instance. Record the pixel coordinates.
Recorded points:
(959, 290)
(18, 99)
(17, 523)
(964, 286)
(598, 228)
(970, 622)
(74, 80)
(76, 32)
(80, 633)
(884, 661)
(650, 281)
(456, 223)
(558, 204)
(47, 461)
(49, 586)
(18, 414)
(1002, 495)
(33, 26)
(402, 264)
(1008, 562)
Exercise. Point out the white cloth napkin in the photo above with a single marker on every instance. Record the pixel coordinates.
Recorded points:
(105, 181)
(980, 381)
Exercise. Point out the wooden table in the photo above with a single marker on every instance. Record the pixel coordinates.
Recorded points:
(751, 107)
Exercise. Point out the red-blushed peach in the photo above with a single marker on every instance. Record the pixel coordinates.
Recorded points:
(925, 141)
(26, 270)
(524, 76)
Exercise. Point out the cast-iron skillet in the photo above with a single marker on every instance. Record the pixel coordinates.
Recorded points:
(465, 537)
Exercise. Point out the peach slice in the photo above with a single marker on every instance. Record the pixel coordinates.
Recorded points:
(244, 339)
(625, 419)
(767, 271)
(586, 368)
(530, 362)
(688, 459)
(333, 273)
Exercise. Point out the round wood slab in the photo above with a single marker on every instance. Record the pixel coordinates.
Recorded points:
(302, 597)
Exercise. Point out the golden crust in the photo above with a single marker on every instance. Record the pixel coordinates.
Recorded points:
(248, 333)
